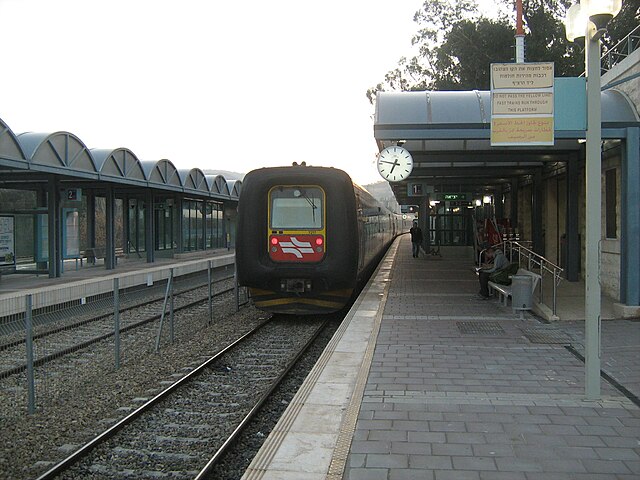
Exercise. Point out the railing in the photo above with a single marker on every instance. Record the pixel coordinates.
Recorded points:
(530, 260)
(621, 50)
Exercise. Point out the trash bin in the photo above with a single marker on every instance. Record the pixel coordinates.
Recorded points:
(521, 292)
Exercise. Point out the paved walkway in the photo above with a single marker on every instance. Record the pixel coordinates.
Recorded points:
(459, 388)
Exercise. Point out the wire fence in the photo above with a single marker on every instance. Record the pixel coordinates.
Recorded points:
(43, 349)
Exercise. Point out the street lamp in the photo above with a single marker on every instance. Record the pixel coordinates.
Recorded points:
(588, 20)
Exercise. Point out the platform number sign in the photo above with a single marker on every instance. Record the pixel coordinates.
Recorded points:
(73, 194)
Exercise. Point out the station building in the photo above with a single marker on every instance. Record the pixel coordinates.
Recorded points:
(536, 193)
(61, 201)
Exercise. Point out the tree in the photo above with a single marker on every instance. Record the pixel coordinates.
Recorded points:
(456, 44)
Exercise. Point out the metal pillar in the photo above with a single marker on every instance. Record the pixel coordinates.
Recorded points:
(91, 218)
(177, 222)
(54, 230)
(536, 213)
(424, 222)
(593, 171)
(514, 203)
(148, 227)
(126, 231)
(572, 239)
(110, 230)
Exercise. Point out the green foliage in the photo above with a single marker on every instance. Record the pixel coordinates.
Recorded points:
(456, 45)
(623, 23)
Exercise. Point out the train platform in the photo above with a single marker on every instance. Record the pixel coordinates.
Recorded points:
(85, 280)
(424, 380)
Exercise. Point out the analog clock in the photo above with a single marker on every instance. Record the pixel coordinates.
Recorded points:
(395, 163)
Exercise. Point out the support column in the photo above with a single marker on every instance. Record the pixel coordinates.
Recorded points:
(41, 202)
(125, 224)
(572, 241)
(514, 203)
(91, 218)
(630, 220)
(177, 225)
(110, 229)
(498, 202)
(54, 230)
(148, 227)
(536, 213)
(424, 222)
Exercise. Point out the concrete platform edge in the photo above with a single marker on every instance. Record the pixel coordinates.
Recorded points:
(312, 439)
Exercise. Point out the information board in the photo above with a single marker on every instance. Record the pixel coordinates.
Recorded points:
(522, 104)
(7, 241)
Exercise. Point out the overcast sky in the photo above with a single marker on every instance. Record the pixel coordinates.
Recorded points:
(221, 85)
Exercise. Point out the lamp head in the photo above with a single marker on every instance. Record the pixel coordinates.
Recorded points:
(575, 23)
(598, 12)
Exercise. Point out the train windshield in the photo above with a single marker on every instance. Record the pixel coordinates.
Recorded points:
(297, 208)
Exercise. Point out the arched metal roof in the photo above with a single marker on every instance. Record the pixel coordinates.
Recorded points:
(64, 154)
(218, 185)
(9, 146)
(235, 187)
(194, 179)
(120, 163)
(448, 134)
(463, 109)
(57, 150)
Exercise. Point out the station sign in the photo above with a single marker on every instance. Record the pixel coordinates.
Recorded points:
(418, 189)
(522, 103)
(452, 196)
(72, 194)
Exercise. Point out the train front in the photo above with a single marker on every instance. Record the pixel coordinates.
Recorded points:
(296, 247)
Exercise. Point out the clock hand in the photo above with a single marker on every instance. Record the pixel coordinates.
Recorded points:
(395, 164)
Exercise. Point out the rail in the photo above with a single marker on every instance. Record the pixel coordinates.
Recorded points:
(530, 260)
(621, 50)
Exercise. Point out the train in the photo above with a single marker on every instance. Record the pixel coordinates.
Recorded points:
(308, 237)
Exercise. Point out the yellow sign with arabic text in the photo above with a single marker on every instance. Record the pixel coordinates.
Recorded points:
(518, 131)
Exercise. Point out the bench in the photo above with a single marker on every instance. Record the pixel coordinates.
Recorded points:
(504, 291)
(94, 253)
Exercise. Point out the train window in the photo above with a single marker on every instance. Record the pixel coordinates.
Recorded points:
(297, 207)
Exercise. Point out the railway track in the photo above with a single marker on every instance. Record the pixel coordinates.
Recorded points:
(88, 325)
(184, 430)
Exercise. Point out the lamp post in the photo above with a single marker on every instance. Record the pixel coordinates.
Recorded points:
(588, 21)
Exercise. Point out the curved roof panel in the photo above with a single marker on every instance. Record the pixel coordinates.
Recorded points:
(65, 155)
(194, 179)
(9, 145)
(459, 110)
(120, 163)
(162, 172)
(60, 149)
(218, 185)
(235, 187)
(617, 108)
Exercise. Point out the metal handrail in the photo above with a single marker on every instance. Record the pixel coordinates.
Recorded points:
(621, 50)
(533, 260)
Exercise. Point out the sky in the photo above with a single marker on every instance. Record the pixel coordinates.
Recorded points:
(217, 85)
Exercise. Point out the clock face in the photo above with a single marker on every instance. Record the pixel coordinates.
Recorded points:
(395, 164)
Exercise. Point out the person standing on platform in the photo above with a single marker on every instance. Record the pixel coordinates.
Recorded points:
(499, 262)
(416, 239)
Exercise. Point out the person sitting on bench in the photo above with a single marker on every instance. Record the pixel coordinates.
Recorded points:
(499, 262)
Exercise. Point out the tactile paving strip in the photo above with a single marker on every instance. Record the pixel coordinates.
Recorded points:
(480, 328)
(546, 335)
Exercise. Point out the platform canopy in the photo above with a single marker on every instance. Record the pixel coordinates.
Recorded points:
(448, 135)
(30, 160)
